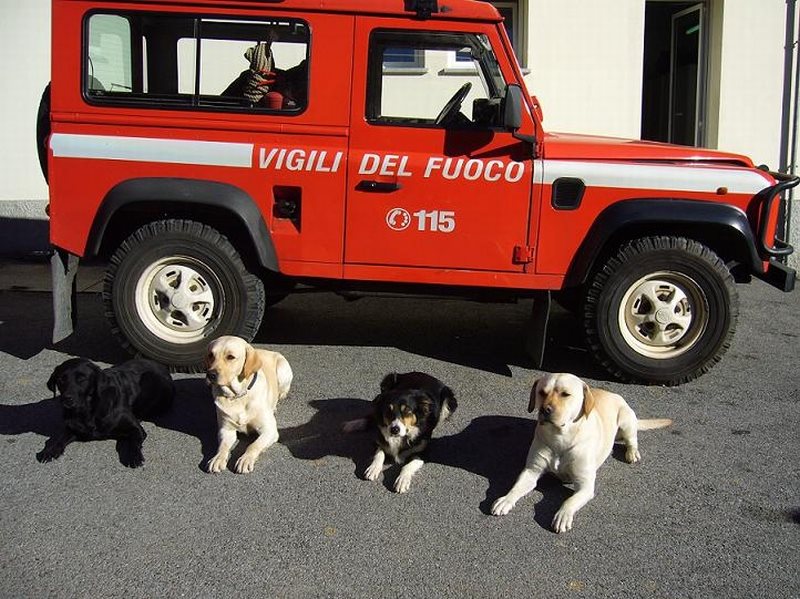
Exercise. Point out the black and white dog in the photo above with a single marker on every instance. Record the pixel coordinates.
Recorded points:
(407, 410)
(108, 404)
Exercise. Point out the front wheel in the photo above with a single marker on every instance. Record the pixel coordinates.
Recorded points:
(172, 286)
(662, 310)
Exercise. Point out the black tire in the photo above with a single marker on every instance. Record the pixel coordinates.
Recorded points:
(662, 310)
(174, 285)
(43, 129)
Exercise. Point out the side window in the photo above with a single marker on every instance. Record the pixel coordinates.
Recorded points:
(432, 79)
(189, 62)
(108, 62)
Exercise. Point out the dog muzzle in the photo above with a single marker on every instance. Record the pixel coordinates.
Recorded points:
(397, 429)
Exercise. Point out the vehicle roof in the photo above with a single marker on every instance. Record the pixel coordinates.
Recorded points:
(446, 9)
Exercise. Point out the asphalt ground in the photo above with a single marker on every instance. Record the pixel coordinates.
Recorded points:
(713, 509)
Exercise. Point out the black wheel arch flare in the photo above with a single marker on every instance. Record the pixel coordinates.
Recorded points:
(641, 217)
(153, 190)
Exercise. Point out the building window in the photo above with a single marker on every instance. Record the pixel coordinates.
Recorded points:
(407, 61)
(512, 12)
(404, 61)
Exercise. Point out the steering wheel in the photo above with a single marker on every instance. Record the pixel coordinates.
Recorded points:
(453, 105)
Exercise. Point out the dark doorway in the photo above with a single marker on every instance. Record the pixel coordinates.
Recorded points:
(673, 94)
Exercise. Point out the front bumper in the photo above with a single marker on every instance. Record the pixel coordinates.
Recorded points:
(779, 275)
(769, 245)
(770, 248)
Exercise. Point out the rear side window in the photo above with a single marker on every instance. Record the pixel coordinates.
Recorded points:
(166, 61)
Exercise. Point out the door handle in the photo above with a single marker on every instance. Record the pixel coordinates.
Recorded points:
(377, 186)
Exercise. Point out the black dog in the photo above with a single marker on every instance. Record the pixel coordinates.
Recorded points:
(108, 404)
(406, 412)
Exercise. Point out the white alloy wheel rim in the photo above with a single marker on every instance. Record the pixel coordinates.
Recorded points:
(175, 300)
(663, 314)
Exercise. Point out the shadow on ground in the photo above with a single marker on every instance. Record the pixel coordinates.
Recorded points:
(492, 447)
(192, 414)
(484, 336)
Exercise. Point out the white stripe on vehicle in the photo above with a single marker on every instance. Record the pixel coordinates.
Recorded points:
(145, 149)
(659, 177)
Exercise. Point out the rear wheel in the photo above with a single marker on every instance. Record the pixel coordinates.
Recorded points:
(173, 285)
(43, 129)
(662, 310)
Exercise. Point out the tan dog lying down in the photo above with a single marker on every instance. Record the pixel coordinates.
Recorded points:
(247, 384)
(576, 430)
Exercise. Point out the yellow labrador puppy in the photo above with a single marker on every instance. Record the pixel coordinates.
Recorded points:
(247, 384)
(576, 430)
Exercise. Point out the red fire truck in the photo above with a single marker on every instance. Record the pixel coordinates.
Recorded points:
(219, 152)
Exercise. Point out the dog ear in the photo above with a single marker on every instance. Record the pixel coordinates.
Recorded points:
(377, 403)
(51, 382)
(389, 382)
(424, 406)
(588, 400)
(252, 362)
(534, 403)
(57, 372)
(208, 359)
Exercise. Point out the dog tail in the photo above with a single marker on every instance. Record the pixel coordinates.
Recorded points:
(449, 404)
(284, 375)
(651, 423)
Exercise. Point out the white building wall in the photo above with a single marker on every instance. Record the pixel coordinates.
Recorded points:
(751, 79)
(25, 64)
(585, 59)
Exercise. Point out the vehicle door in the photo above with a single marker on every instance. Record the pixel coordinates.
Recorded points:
(433, 181)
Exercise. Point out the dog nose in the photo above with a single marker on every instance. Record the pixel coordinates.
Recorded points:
(394, 429)
(548, 410)
(211, 375)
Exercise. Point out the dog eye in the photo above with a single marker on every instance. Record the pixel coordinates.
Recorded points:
(230, 357)
(565, 394)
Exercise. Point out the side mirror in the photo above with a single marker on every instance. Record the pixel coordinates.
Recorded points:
(511, 109)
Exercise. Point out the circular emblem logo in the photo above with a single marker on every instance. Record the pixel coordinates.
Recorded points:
(398, 219)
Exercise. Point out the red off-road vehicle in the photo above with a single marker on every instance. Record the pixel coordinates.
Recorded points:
(219, 151)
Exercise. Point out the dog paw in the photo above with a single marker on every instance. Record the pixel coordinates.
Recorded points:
(402, 484)
(373, 472)
(46, 456)
(217, 464)
(632, 455)
(245, 464)
(502, 506)
(562, 522)
(134, 460)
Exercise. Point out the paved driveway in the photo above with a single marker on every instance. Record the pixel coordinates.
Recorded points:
(713, 510)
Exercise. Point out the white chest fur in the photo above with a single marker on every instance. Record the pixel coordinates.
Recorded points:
(234, 412)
